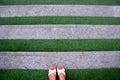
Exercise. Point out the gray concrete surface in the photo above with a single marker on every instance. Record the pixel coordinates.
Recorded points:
(116, 11)
(71, 60)
(59, 10)
(59, 31)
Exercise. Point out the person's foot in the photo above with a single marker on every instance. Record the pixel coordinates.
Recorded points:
(61, 72)
(52, 73)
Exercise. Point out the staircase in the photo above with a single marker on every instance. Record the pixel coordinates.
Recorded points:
(35, 36)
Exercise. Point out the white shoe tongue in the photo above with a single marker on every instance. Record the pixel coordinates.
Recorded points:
(61, 71)
(52, 72)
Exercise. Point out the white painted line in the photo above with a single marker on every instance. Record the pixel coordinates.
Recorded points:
(59, 10)
(71, 60)
(59, 31)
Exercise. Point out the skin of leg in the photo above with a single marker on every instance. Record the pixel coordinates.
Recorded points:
(52, 77)
(62, 76)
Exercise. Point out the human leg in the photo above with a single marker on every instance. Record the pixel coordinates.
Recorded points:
(52, 73)
(61, 72)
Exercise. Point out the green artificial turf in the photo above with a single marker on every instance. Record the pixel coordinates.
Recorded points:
(37, 2)
(49, 45)
(59, 20)
(74, 74)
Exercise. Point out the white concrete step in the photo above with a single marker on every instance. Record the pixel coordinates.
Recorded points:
(59, 31)
(71, 60)
(59, 10)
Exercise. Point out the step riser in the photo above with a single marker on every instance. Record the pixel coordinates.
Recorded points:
(59, 31)
(59, 10)
(71, 60)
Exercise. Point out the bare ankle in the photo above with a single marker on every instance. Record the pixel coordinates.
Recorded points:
(52, 77)
(62, 77)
